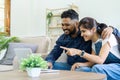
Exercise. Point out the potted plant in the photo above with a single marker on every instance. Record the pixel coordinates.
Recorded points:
(4, 41)
(33, 65)
(49, 17)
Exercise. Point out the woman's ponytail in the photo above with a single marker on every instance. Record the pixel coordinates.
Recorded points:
(101, 27)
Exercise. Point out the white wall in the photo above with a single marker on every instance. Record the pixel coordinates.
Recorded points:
(28, 17)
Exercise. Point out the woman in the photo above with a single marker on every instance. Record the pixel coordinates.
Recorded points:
(105, 56)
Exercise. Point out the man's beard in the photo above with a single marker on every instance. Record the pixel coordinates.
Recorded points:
(71, 32)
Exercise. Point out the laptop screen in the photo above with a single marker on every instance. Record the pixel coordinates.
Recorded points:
(22, 53)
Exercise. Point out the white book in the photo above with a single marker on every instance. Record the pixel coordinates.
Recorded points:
(49, 71)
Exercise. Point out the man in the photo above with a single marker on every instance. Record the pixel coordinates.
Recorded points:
(71, 39)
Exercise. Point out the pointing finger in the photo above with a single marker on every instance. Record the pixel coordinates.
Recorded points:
(64, 48)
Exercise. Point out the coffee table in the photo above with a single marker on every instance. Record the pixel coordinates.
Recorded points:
(61, 75)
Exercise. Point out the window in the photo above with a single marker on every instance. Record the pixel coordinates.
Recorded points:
(5, 16)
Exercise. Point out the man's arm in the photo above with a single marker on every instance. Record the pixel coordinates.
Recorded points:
(116, 32)
(54, 54)
(56, 51)
(109, 30)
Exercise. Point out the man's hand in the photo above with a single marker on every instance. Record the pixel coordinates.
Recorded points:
(50, 66)
(107, 32)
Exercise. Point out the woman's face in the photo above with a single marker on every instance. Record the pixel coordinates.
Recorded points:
(87, 34)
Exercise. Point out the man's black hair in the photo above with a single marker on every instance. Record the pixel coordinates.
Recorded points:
(70, 13)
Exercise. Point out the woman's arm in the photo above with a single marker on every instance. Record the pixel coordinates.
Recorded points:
(79, 64)
(99, 59)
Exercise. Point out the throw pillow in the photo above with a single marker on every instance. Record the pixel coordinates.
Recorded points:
(8, 59)
(2, 53)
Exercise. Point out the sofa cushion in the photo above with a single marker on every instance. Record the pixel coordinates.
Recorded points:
(43, 42)
(2, 53)
(10, 52)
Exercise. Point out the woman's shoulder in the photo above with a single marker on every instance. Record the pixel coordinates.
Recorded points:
(112, 40)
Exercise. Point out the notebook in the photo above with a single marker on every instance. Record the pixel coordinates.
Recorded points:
(22, 53)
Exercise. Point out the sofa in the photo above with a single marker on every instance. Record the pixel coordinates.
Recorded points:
(42, 43)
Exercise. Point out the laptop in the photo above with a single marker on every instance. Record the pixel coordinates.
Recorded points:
(22, 53)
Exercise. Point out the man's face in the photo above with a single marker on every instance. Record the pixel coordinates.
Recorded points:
(68, 26)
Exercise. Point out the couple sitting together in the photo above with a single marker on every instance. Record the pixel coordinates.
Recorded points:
(90, 46)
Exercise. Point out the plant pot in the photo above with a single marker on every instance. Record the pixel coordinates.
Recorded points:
(33, 72)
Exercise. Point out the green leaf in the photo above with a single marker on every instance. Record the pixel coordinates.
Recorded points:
(5, 40)
(49, 17)
(33, 61)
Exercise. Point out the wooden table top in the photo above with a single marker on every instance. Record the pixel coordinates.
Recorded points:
(60, 75)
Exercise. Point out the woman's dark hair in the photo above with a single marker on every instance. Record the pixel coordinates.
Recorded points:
(89, 23)
(70, 13)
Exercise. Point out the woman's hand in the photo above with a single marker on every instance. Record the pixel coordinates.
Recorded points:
(74, 66)
(71, 51)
